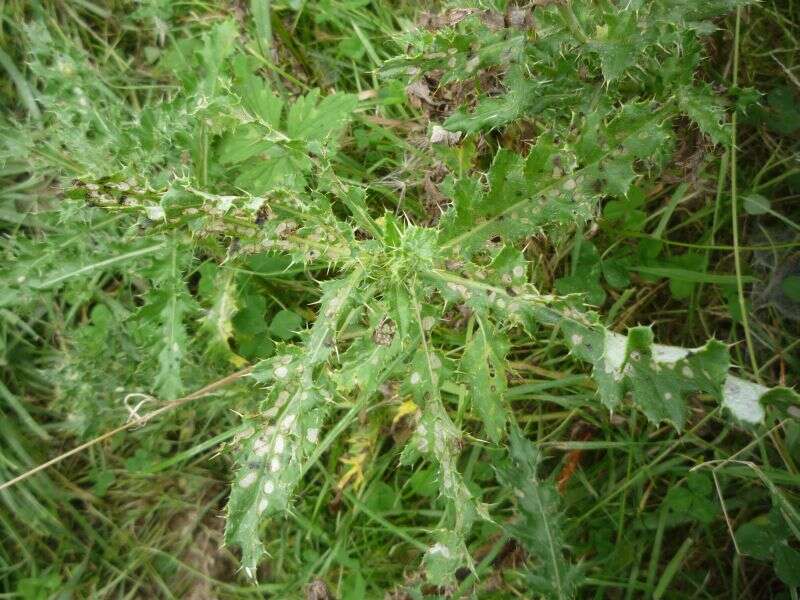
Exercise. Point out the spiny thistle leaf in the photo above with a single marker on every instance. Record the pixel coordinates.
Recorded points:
(552, 188)
(483, 365)
(538, 522)
(437, 438)
(164, 312)
(658, 388)
(522, 96)
(257, 96)
(218, 287)
(704, 108)
(272, 460)
(517, 203)
(659, 378)
(617, 42)
(448, 554)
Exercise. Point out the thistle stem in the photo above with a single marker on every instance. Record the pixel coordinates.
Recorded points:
(571, 21)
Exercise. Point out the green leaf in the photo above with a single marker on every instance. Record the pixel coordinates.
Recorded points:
(423, 482)
(660, 392)
(102, 481)
(351, 48)
(659, 378)
(270, 470)
(243, 143)
(257, 95)
(141, 461)
(538, 522)
(693, 499)
(250, 318)
(495, 112)
(703, 107)
(41, 587)
(218, 44)
(356, 201)
(483, 365)
(618, 43)
(756, 204)
(627, 211)
(783, 114)
(381, 497)
(757, 538)
(619, 175)
(219, 290)
(787, 564)
(272, 459)
(360, 363)
(585, 278)
(514, 206)
(285, 324)
(312, 120)
(444, 558)
(616, 273)
(280, 168)
(163, 319)
(437, 438)
(354, 586)
(790, 286)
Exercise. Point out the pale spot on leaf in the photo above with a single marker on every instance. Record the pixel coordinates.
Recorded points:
(669, 354)
(248, 480)
(440, 549)
(743, 399)
(615, 351)
(260, 447)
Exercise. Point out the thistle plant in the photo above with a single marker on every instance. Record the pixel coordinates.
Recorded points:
(227, 167)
